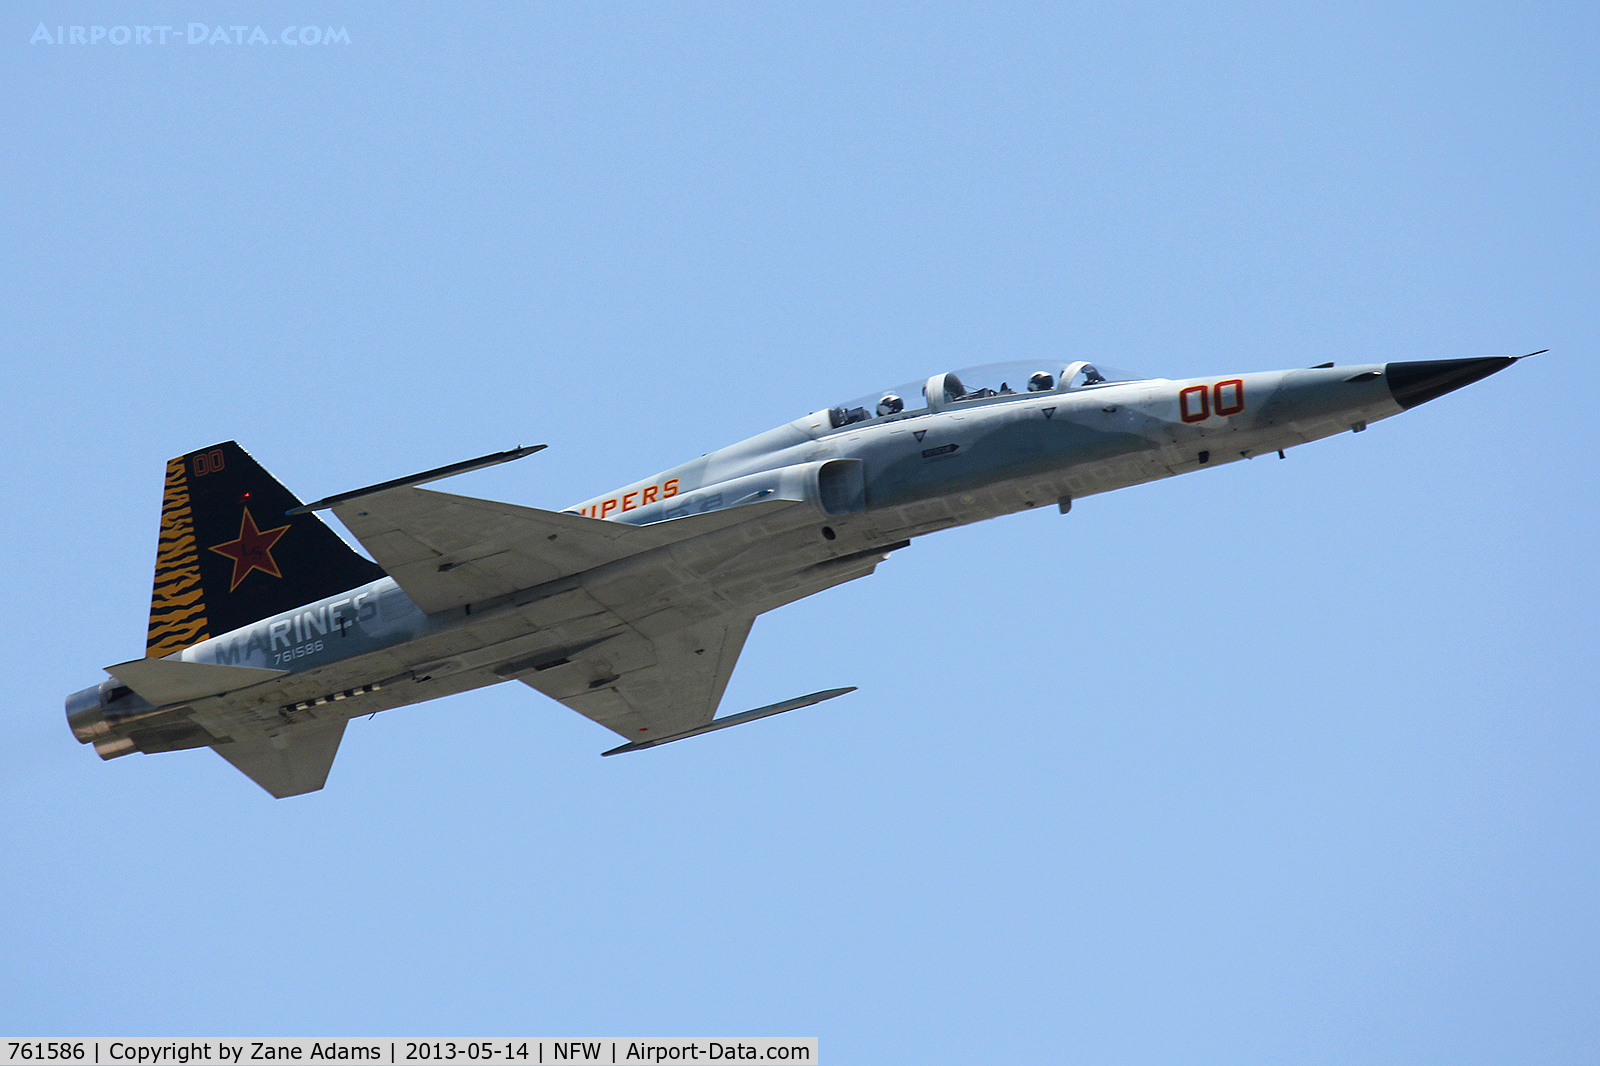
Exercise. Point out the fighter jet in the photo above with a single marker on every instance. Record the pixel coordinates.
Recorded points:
(268, 632)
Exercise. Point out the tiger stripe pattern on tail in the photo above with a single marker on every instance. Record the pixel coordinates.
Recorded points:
(177, 603)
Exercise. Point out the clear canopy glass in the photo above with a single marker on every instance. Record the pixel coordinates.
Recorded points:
(988, 382)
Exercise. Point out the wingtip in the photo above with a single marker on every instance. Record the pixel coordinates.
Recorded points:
(715, 724)
(436, 474)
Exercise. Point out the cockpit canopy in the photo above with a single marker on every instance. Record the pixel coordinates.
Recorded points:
(977, 383)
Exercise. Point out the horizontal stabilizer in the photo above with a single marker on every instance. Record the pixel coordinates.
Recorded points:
(294, 762)
(164, 681)
(735, 719)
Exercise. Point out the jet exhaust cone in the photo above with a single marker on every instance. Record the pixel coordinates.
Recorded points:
(1418, 382)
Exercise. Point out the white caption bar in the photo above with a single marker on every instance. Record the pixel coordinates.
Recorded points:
(390, 1051)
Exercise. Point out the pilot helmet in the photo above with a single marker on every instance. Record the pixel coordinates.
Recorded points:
(890, 405)
(1041, 382)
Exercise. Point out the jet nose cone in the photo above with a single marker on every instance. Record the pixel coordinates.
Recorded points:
(1418, 382)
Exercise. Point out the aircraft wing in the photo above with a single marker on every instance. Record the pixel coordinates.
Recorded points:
(658, 672)
(664, 674)
(445, 551)
(642, 688)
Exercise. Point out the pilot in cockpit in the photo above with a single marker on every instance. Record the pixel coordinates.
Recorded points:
(890, 405)
(1091, 376)
(1041, 382)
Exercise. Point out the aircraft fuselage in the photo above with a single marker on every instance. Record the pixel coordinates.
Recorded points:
(862, 489)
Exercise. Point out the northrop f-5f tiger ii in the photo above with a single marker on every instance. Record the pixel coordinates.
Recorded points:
(268, 632)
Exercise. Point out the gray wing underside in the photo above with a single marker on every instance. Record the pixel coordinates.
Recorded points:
(445, 551)
(640, 688)
(643, 687)
(657, 652)
(658, 671)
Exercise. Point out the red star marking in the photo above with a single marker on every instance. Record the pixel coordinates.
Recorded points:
(252, 551)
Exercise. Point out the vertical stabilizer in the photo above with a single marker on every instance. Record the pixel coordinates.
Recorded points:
(228, 554)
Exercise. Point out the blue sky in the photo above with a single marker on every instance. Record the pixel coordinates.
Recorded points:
(1282, 761)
